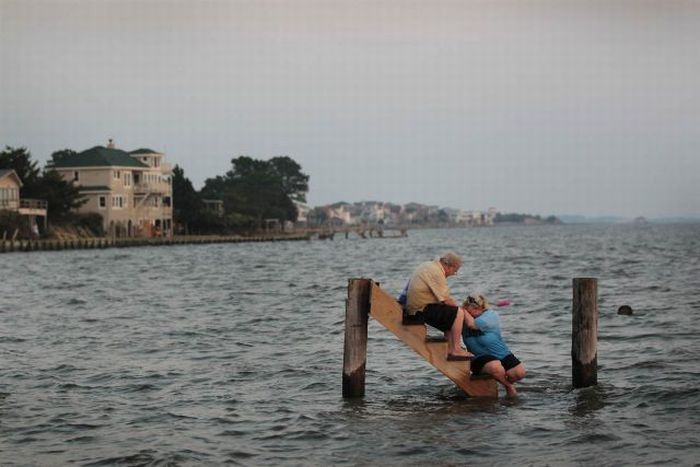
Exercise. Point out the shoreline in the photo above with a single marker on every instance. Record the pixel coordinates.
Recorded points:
(26, 246)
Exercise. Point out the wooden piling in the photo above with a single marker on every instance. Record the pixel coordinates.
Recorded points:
(355, 350)
(584, 334)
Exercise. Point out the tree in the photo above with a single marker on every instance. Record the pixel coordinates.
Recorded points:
(58, 156)
(62, 196)
(257, 189)
(214, 188)
(295, 183)
(260, 189)
(19, 160)
(187, 204)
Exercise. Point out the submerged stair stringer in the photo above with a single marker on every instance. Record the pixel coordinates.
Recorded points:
(385, 310)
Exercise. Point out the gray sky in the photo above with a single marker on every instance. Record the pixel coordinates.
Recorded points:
(545, 107)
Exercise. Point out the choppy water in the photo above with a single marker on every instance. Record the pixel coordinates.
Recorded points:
(232, 353)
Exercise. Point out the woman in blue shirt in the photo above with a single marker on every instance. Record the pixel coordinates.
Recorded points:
(482, 336)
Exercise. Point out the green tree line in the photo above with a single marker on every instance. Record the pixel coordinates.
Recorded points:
(252, 191)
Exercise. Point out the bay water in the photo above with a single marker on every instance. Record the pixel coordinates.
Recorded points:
(232, 353)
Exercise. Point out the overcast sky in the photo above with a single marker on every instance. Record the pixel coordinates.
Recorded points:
(543, 107)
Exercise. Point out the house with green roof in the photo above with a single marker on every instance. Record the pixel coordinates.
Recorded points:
(32, 211)
(132, 191)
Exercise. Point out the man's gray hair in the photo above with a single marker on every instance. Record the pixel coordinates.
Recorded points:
(452, 259)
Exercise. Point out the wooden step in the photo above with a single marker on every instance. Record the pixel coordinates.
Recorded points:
(386, 310)
(435, 340)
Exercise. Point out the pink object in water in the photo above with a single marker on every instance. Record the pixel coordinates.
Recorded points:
(503, 303)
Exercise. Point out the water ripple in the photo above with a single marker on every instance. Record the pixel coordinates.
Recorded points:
(232, 353)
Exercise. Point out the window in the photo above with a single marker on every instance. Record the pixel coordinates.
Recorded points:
(117, 201)
(117, 174)
(127, 178)
(102, 203)
(9, 197)
(76, 176)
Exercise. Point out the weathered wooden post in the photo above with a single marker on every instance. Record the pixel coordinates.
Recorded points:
(355, 350)
(584, 334)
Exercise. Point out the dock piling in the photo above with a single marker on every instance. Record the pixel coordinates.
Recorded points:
(355, 349)
(584, 334)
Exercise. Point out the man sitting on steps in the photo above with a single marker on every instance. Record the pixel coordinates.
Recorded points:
(429, 299)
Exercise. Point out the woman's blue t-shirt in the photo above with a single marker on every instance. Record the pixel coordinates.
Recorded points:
(487, 340)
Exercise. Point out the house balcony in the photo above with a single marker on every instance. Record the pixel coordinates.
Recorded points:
(26, 207)
(154, 211)
(33, 207)
(151, 187)
(164, 168)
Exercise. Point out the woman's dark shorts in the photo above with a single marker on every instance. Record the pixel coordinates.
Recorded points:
(439, 315)
(508, 362)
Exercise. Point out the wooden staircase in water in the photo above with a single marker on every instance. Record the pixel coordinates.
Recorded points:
(385, 310)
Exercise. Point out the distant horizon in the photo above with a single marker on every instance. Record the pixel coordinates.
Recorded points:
(621, 217)
(660, 217)
(599, 218)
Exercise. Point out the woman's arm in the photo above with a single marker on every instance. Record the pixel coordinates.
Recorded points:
(469, 320)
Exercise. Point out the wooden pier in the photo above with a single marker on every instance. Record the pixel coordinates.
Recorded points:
(365, 297)
(329, 233)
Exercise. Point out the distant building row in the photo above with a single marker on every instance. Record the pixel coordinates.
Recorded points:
(377, 212)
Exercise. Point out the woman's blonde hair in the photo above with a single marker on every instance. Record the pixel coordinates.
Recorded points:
(476, 299)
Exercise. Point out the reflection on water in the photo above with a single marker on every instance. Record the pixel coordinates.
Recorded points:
(213, 354)
(588, 401)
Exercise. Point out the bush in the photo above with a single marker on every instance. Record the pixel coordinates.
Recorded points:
(91, 221)
(10, 221)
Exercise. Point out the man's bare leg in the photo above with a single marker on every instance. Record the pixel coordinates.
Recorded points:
(454, 336)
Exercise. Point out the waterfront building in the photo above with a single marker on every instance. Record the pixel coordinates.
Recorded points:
(491, 215)
(340, 213)
(9, 190)
(10, 200)
(302, 213)
(215, 206)
(132, 191)
(372, 212)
